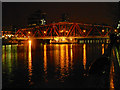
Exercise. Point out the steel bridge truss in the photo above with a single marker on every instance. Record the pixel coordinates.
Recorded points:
(65, 29)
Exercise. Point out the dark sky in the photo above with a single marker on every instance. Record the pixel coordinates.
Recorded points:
(87, 12)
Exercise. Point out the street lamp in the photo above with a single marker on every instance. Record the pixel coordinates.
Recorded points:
(29, 32)
(103, 30)
(84, 31)
(115, 30)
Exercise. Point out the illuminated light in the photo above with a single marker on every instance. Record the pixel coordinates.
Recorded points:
(103, 49)
(9, 58)
(56, 39)
(88, 41)
(33, 24)
(67, 58)
(112, 76)
(84, 56)
(50, 41)
(42, 22)
(84, 31)
(29, 32)
(44, 31)
(71, 39)
(71, 56)
(41, 43)
(103, 30)
(63, 39)
(29, 61)
(57, 63)
(61, 31)
(115, 30)
(117, 54)
(3, 36)
(62, 68)
(45, 63)
(29, 41)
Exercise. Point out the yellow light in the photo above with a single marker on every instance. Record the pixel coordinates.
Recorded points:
(29, 32)
(71, 39)
(44, 31)
(84, 31)
(61, 31)
(84, 56)
(115, 30)
(45, 62)
(63, 39)
(30, 61)
(29, 41)
(56, 39)
(103, 30)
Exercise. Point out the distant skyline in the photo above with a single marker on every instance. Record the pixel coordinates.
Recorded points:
(82, 12)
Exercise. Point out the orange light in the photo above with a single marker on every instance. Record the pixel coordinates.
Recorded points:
(84, 56)
(115, 30)
(84, 31)
(103, 30)
(103, 49)
(71, 39)
(30, 62)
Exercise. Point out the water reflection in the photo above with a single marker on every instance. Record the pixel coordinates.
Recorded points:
(71, 56)
(67, 61)
(3, 55)
(112, 72)
(112, 76)
(57, 53)
(30, 62)
(8, 57)
(45, 63)
(62, 63)
(84, 56)
(103, 49)
(58, 62)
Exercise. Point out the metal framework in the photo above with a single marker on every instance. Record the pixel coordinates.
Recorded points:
(65, 29)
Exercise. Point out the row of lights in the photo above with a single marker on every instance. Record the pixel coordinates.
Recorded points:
(8, 35)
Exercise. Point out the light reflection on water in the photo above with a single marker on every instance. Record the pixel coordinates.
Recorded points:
(30, 62)
(84, 56)
(103, 49)
(45, 63)
(63, 59)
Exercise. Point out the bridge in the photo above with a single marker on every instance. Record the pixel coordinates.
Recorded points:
(64, 30)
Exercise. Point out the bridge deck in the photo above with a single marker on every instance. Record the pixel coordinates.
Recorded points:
(78, 37)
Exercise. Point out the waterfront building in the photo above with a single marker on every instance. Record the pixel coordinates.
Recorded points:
(37, 18)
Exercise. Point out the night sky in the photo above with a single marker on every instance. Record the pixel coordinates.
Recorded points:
(88, 12)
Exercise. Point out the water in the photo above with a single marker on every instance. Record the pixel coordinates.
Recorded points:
(50, 65)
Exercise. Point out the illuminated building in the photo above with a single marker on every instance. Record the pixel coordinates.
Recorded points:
(118, 27)
(37, 18)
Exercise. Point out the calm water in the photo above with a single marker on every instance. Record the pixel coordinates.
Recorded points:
(50, 65)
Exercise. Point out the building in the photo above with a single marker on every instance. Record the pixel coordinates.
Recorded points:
(37, 18)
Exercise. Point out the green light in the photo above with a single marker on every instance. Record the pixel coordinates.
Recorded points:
(117, 54)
